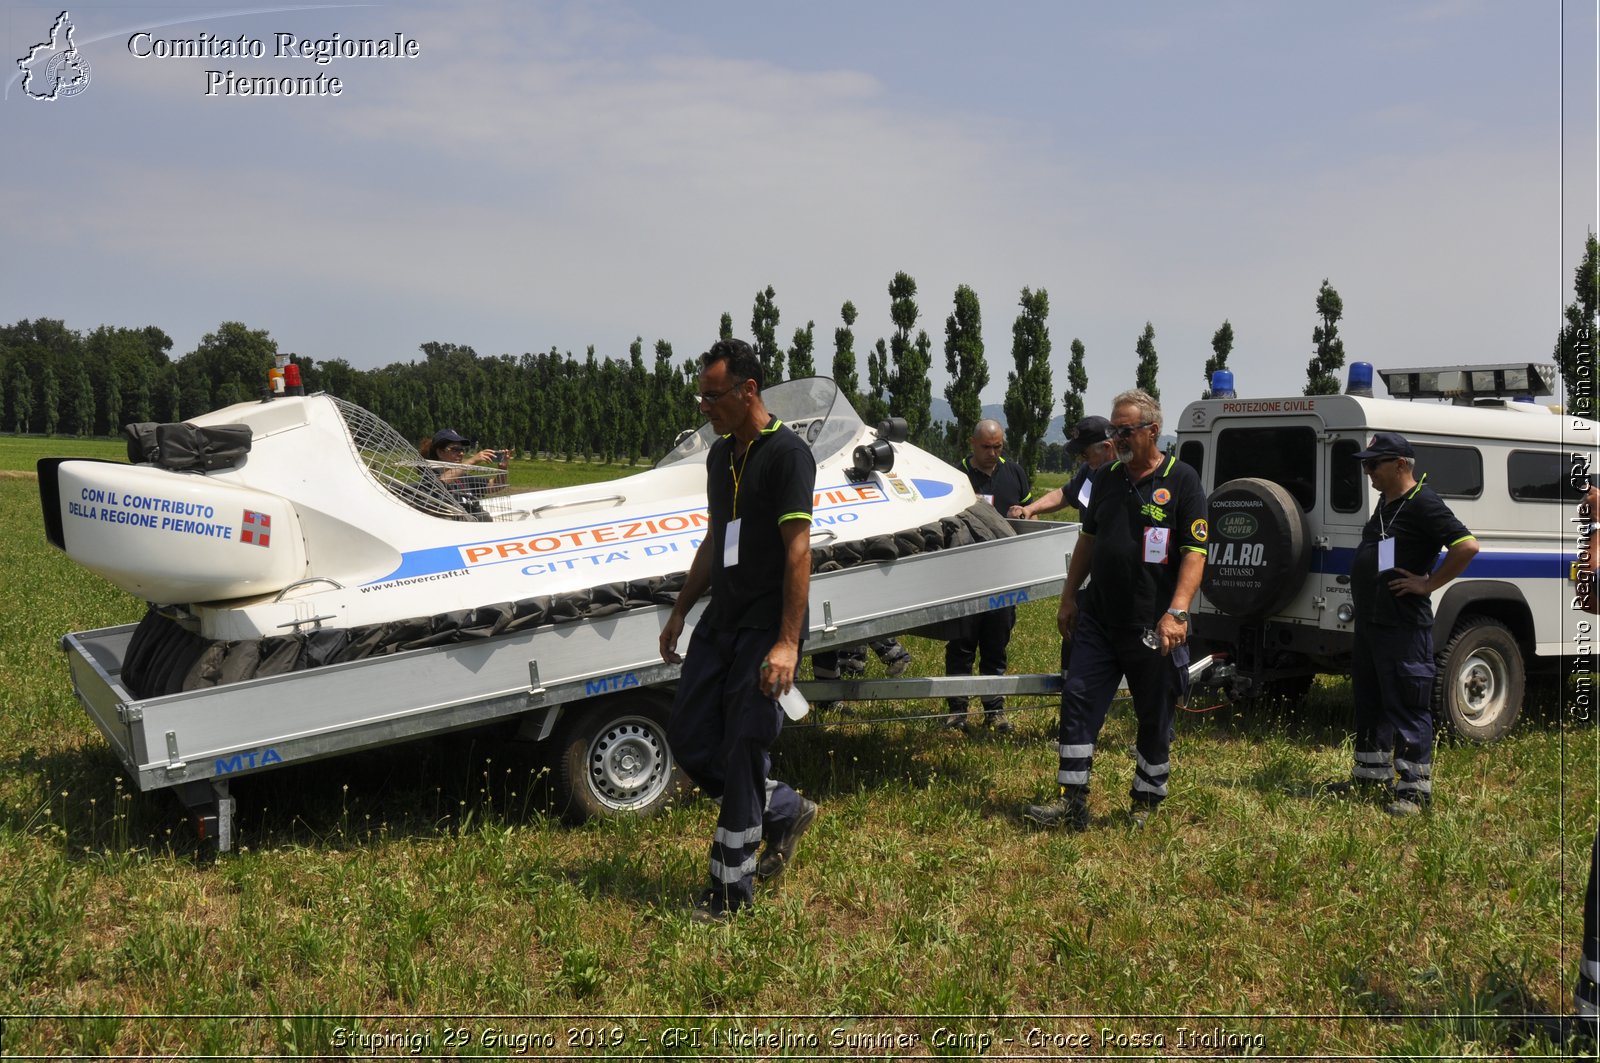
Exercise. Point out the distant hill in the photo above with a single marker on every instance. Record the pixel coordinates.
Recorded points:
(1055, 433)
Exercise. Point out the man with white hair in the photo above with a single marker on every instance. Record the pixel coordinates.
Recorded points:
(1144, 545)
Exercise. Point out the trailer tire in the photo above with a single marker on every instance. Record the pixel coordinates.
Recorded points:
(1481, 679)
(1260, 548)
(612, 759)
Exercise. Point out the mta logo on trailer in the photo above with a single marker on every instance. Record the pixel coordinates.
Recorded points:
(256, 528)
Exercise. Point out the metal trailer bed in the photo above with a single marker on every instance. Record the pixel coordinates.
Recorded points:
(196, 742)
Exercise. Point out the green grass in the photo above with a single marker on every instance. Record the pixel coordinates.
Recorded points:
(426, 879)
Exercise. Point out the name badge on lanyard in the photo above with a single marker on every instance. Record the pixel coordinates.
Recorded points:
(1155, 545)
(1385, 554)
(730, 544)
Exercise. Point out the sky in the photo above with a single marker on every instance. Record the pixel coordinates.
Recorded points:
(558, 175)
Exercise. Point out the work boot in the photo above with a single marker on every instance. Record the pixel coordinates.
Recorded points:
(780, 850)
(709, 909)
(1139, 814)
(1069, 811)
(1405, 805)
(1358, 789)
(896, 658)
(997, 722)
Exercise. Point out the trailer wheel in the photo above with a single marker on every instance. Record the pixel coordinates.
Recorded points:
(612, 759)
(1481, 678)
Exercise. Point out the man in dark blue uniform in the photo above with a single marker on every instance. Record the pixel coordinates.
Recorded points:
(1144, 545)
(986, 637)
(1392, 668)
(756, 562)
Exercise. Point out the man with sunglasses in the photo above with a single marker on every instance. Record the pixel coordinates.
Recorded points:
(1144, 545)
(1392, 665)
(756, 562)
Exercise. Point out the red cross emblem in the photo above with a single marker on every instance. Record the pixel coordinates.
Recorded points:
(256, 528)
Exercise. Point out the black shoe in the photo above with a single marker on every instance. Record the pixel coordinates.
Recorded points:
(1139, 814)
(1070, 811)
(780, 850)
(709, 910)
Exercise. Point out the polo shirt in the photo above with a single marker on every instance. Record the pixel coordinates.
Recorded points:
(1007, 486)
(770, 484)
(1124, 589)
(1421, 525)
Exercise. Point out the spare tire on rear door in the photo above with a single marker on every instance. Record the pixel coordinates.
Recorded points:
(1259, 548)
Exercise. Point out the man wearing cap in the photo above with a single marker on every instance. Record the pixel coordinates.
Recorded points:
(1392, 668)
(1092, 439)
(756, 562)
(1143, 551)
(448, 445)
(986, 637)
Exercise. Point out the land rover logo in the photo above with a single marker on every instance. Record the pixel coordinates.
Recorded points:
(1237, 526)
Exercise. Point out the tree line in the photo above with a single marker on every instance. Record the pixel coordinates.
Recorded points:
(57, 381)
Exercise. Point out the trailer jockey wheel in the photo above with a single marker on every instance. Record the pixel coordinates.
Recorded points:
(1481, 678)
(612, 758)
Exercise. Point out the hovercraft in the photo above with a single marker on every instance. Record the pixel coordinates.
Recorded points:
(302, 531)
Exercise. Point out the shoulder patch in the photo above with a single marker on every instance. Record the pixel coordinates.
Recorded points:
(1200, 530)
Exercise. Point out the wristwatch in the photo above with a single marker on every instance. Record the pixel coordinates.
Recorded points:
(1182, 615)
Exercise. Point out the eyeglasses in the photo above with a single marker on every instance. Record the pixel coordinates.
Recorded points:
(709, 397)
(1124, 431)
(453, 446)
(1368, 464)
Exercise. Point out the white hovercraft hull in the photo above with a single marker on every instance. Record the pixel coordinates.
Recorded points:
(322, 526)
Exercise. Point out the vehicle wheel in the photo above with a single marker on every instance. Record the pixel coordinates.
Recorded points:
(612, 759)
(1479, 688)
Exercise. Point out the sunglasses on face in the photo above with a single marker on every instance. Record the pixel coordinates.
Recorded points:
(1127, 430)
(1369, 464)
(709, 397)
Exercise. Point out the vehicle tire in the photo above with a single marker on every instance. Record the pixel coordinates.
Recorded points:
(1478, 691)
(1260, 548)
(612, 758)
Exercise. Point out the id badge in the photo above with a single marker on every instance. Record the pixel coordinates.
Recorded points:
(1385, 554)
(730, 544)
(1083, 494)
(986, 498)
(1155, 545)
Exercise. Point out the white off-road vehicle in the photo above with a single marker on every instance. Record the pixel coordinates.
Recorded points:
(1288, 501)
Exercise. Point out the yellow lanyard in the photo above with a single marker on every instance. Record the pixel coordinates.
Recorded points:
(737, 473)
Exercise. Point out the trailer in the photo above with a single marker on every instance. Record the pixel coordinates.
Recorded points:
(597, 689)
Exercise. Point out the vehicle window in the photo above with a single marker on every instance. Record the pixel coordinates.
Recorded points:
(1346, 488)
(1286, 455)
(1193, 454)
(1543, 475)
(1453, 472)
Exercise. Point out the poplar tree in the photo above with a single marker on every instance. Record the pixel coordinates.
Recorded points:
(876, 406)
(1077, 384)
(910, 390)
(1221, 347)
(764, 326)
(802, 363)
(1149, 366)
(1329, 356)
(725, 328)
(964, 361)
(1574, 353)
(846, 372)
(1030, 396)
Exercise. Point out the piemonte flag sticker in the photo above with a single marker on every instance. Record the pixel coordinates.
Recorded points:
(255, 528)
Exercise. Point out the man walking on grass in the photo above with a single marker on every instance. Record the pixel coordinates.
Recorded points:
(757, 565)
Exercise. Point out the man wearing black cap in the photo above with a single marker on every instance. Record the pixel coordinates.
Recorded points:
(1392, 669)
(1092, 439)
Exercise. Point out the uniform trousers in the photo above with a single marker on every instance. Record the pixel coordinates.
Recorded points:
(1586, 998)
(1099, 657)
(721, 728)
(1391, 674)
(985, 639)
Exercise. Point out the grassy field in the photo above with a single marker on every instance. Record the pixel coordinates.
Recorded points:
(418, 900)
